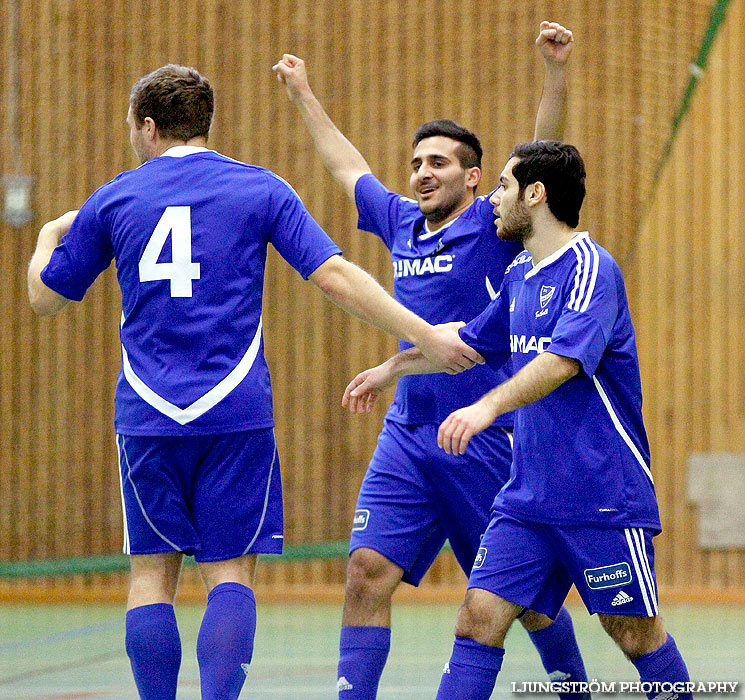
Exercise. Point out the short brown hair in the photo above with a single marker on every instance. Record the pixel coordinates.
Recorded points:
(177, 98)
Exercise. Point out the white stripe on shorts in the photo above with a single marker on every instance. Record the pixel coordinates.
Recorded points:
(266, 497)
(142, 508)
(641, 547)
(639, 559)
(125, 548)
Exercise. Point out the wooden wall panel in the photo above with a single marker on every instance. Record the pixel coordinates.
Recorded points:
(380, 68)
(688, 268)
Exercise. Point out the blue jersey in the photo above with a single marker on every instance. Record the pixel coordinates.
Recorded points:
(448, 275)
(581, 455)
(189, 232)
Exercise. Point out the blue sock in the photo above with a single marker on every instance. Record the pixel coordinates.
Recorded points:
(154, 649)
(362, 655)
(557, 647)
(226, 641)
(663, 666)
(471, 672)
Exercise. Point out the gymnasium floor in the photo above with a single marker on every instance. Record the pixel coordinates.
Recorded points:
(66, 652)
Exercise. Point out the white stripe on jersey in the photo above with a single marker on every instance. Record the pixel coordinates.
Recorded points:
(641, 547)
(587, 268)
(584, 260)
(621, 430)
(577, 275)
(216, 394)
(639, 560)
(125, 548)
(595, 265)
(266, 498)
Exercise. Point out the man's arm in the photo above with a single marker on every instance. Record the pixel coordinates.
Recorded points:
(343, 160)
(555, 44)
(534, 381)
(45, 301)
(363, 391)
(359, 294)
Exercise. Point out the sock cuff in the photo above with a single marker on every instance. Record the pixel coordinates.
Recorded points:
(469, 652)
(231, 587)
(148, 612)
(365, 638)
(653, 664)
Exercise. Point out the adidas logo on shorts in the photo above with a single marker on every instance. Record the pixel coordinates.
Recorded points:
(621, 599)
(446, 669)
(343, 684)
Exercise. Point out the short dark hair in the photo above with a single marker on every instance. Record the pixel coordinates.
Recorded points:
(469, 150)
(560, 168)
(177, 98)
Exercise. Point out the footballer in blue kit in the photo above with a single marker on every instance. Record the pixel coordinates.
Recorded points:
(447, 265)
(579, 506)
(189, 231)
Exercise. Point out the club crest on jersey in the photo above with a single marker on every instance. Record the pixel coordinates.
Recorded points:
(546, 294)
(360, 519)
(480, 558)
(609, 576)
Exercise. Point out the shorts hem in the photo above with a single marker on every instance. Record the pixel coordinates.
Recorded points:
(260, 549)
(527, 606)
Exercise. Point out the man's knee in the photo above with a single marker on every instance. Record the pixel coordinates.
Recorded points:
(153, 578)
(238, 570)
(533, 621)
(635, 636)
(370, 574)
(485, 617)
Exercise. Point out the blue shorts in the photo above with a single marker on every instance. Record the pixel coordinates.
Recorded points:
(534, 565)
(415, 496)
(214, 496)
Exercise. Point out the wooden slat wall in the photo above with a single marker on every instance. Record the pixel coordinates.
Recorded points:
(687, 292)
(380, 68)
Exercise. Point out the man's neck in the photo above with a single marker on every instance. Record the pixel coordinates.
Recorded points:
(164, 144)
(433, 226)
(546, 240)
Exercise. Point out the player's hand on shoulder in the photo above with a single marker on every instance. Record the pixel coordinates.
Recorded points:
(445, 348)
(460, 426)
(290, 72)
(554, 42)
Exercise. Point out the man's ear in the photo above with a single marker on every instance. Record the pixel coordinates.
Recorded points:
(149, 129)
(473, 177)
(535, 193)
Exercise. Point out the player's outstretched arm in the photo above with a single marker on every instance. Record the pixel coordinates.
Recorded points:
(555, 44)
(341, 158)
(359, 294)
(363, 391)
(45, 301)
(534, 381)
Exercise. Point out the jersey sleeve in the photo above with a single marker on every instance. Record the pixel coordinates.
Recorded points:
(294, 232)
(585, 326)
(380, 210)
(489, 332)
(84, 252)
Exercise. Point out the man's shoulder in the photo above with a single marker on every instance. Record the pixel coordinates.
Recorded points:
(368, 188)
(517, 268)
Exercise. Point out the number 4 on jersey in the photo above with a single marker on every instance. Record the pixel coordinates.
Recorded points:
(181, 272)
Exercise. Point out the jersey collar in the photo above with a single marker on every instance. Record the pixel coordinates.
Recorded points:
(180, 151)
(557, 254)
(428, 234)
